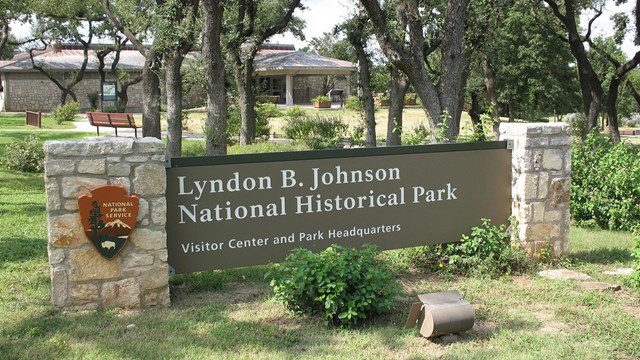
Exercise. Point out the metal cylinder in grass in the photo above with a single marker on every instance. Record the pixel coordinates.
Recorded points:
(441, 313)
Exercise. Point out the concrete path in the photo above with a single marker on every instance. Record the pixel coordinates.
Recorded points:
(85, 126)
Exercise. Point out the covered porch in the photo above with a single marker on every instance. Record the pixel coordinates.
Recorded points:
(297, 77)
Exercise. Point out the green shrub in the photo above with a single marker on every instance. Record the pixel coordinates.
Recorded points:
(578, 124)
(635, 276)
(488, 250)
(344, 285)
(605, 184)
(24, 155)
(358, 136)
(295, 113)
(66, 112)
(93, 98)
(354, 103)
(420, 135)
(321, 98)
(317, 132)
(264, 113)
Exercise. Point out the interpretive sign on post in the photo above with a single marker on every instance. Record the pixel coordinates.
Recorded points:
(253, 209)
(109, 90)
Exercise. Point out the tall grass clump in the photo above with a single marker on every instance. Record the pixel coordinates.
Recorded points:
(25, 155)
(317, 132)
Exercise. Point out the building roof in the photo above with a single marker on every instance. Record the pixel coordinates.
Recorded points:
(69, 59)
(274, 61)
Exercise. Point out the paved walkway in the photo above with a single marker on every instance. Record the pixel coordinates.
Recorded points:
(85, 126)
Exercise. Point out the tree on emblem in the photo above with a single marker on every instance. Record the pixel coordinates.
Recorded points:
(95, 219)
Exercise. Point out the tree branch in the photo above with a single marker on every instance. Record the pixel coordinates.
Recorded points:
(597, 15)
(116, 24)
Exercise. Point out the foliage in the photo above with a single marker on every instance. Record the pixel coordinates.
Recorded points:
(294, 113)
(93, 98)
(635, 253)
(66, 112)
(488, 250)
(25, 155)
(419, 135)
(605, 183)
(321, 98)
(354, 103)
(632, 120)
(317, 132)
(264, 112)
(357, 136)
(345, 285)
(578, 124)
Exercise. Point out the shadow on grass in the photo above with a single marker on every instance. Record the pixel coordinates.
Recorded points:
(203, 330)
(21, 249)
(29, 209)
(602, 256)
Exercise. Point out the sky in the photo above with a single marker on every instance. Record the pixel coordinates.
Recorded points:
(322, 15)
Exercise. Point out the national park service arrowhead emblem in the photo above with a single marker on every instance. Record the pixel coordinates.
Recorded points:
(108, 217)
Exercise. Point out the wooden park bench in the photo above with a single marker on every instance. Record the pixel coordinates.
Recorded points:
(114, 120)
(33, 118)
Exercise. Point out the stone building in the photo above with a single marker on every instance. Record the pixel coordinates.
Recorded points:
(297, 77)
(22, 87)
(294, 77)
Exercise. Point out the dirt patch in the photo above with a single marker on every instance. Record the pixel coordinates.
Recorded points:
(633, 310)
(239, 293)
(414, 279)
(550, 325)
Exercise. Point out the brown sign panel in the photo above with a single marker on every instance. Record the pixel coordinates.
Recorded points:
(108, 216)
(249, 210)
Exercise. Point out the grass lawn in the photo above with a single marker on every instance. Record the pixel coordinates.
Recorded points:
(232, 314)
(412, 117)
(16, 121)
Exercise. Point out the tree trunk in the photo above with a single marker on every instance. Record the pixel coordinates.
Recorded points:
(244, 82)
(397, 90)
(452, 80)
(151, 95)
(592, 93)
(173, 79)
(364, 75)
(216, 125)
(474, 113)
(436, 98)
(490, 84)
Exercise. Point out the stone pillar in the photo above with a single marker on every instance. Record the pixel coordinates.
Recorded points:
(289, 89)
(541, 179)
(80, 277)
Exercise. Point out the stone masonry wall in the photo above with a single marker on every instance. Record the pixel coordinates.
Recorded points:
(33, 91)
(306, 87)
(80, 277)
(541, 179)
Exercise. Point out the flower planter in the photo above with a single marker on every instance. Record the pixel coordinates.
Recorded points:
(381, 102)
(322, 104)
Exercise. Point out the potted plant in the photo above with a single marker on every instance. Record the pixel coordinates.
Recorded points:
(321, 101)
(381, 100)
(410, 99)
